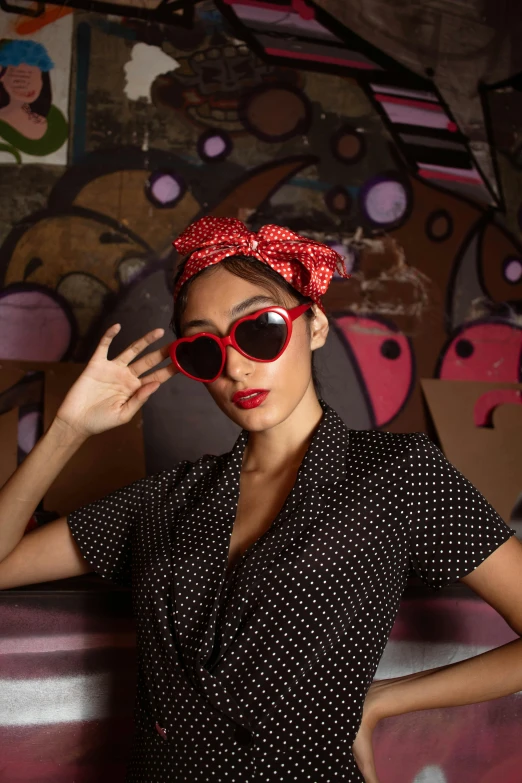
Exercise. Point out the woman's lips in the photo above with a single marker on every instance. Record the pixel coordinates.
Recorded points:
(250, 398)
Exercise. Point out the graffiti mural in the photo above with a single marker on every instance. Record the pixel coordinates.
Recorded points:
(270, 112)
(363, 154)
(109, 222)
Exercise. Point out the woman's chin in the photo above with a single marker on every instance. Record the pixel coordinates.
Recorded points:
(256, 419)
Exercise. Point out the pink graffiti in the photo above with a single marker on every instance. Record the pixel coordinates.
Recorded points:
(33, 326)
(385, 361)
(488, 402)
(485, 351)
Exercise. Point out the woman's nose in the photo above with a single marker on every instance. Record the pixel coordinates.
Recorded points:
(237, 366)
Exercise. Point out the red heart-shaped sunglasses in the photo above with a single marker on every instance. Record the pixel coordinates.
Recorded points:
(262, 336)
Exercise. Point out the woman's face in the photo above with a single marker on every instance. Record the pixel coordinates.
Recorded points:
(211, 298)
(22, 82)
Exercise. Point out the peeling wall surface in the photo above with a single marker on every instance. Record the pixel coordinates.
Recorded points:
(394, 137)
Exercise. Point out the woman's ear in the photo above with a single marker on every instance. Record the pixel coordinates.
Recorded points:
(319, 328)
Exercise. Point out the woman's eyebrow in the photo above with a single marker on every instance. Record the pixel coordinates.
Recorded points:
(234, 312)
(248, 303)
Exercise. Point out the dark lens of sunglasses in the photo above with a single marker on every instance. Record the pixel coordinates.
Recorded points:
(200, 358)
(263, 337)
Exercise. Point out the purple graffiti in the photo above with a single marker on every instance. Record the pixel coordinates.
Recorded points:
(385, 200)
(33, 326)
(214, 145)
(165, 188)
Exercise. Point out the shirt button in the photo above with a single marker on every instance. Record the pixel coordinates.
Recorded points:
(161, 731)
(243, 736)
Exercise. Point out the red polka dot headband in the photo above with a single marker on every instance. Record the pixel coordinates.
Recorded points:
(307, 265)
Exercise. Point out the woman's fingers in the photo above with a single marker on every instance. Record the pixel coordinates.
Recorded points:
(135, 348)
(144, 363)
(102, 349)
(138, 399)
(150, 360)
(161, 375)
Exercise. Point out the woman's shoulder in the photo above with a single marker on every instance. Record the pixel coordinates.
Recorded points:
(380, 438)
(183, 470)
(402, 453)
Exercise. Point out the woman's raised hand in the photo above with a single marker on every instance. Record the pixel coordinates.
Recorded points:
(110, 392)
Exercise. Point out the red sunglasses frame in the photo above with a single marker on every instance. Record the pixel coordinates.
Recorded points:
(288, 316)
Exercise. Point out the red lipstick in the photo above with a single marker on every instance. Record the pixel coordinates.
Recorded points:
(250, 398)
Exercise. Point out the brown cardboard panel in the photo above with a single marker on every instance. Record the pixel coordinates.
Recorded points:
(104, 463)
(490, 457)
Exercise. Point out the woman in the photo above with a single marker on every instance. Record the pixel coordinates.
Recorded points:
(265, 581)
(28, 120)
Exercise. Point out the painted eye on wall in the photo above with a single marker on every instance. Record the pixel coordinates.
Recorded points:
(483, 351)
(464, 349)
(384, 360)
(165, 188)
(390, 349)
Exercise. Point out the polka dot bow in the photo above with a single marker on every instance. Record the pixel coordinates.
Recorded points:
(307, 265)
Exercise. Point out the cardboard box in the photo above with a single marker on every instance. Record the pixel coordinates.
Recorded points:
(480, 431)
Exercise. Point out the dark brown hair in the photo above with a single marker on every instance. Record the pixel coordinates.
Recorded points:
(255, 272)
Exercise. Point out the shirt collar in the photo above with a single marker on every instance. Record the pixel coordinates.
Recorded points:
(324, 461)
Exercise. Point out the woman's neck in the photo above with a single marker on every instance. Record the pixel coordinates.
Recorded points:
(14, 105)
(283, 447)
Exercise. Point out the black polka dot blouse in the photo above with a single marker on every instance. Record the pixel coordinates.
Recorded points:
(260, 675)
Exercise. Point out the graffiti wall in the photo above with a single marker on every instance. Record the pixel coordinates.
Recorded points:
(270, 112)
(273, 117)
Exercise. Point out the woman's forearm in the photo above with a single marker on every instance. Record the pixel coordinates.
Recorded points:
(487, 676)
(23, 491)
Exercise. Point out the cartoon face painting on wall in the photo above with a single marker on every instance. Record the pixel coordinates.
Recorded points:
(29, 122)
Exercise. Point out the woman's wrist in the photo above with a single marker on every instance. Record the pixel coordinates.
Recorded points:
(376, 704)
(66, 435)
(384, 696)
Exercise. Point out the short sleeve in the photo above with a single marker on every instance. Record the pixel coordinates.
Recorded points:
(104, 528)
(453, 528)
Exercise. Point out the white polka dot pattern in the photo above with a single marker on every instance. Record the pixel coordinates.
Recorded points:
(466, 529)
(260, 676)
(304, 263)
